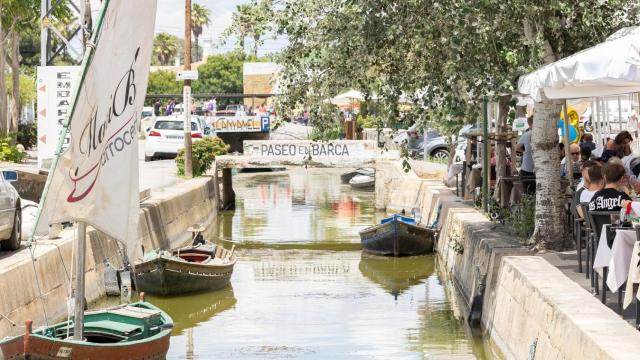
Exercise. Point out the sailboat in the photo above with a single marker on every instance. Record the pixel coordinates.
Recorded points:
(95, 182)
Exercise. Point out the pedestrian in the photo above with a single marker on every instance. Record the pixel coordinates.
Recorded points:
(156, 108)
(305, 118)
(170, 107)
(210, 110)
(527, 170)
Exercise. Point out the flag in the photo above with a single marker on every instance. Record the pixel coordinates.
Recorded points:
(96, 178)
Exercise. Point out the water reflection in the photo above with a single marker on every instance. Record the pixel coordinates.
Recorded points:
(189, 310)
(299, 206)
(396, 274)
(303, 288)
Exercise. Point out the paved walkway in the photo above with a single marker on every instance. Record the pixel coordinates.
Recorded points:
(567, 262)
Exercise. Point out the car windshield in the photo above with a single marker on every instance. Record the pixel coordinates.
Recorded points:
(173, 125)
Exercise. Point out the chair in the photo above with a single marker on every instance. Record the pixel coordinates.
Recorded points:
(598, 219)
(577, 225)
(588, 243)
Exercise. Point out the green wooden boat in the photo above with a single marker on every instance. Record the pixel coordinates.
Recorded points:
(188, 269)
(135, 331)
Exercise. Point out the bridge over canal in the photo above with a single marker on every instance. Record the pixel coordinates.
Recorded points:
(306, 153)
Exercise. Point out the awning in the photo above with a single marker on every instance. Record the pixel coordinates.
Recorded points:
(609, 68)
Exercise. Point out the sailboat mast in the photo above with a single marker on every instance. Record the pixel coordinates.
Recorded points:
(78, 309)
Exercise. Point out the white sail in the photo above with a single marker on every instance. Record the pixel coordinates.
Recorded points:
(96, 178)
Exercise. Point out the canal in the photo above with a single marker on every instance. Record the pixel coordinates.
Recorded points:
(303, 289)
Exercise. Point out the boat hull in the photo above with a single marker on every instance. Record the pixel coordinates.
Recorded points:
(135, 331)
(348, 176)
(397, 238)
(168, 276)
(43, 348)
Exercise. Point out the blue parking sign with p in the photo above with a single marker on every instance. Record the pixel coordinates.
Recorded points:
(264, 123)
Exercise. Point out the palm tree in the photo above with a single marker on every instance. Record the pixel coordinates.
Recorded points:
(249, 20)
(165, 48)
(200, 17)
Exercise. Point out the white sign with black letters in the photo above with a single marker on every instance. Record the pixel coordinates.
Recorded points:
(55, 85)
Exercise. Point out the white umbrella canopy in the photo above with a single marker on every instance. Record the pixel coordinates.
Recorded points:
(347, 98)
(609, 68)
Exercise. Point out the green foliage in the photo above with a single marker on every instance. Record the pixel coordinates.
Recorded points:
(165, 49)
(9, 152)
(327, 122)
(204, 153)
(27, 88)
(163, 82)
(220, 74)
(27, 135)
(441, 56)
(521, 219)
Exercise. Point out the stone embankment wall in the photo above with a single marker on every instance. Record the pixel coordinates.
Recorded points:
(164, 219)
(520, 301)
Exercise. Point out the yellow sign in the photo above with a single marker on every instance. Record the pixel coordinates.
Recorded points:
(241, 124)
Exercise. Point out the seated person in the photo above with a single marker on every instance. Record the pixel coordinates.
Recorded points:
(587, 142)
(593, 182)
(585, 154)
(618, 147)
(610, 197)
(575, 159)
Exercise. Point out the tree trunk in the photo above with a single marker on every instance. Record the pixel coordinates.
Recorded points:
(3, 90)
(501, 147)
(15, 75)
(549, 221)
(256, 41)
(197, 46)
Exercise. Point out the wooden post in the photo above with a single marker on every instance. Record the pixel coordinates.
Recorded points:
(567, 152)
(228, 196)
(78, 310)
(28, 324)
(186, 98)
(485, 156)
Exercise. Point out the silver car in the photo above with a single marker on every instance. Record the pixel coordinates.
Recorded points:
(437, 146)
(10, 212)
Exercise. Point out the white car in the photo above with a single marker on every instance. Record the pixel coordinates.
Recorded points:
(166, 137)
(10, 212)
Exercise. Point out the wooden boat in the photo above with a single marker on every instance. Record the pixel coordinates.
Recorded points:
(362, 182)
(135, 331)
(397, 235)
(86, 188)
(346, 177)
(188, 269)
(396, 274)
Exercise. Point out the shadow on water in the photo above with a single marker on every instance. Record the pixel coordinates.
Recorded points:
(396, 274)
(187, 311)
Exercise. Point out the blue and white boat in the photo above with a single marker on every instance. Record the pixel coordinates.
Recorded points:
(397, 235)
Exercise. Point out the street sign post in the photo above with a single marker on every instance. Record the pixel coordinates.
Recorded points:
(187, 75)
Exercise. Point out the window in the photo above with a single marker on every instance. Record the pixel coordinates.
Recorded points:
(174, 125)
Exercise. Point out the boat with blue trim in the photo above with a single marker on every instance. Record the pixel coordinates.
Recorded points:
(397, 235)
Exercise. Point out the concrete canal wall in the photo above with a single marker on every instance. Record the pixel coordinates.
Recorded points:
(520, 301)
(164, 219)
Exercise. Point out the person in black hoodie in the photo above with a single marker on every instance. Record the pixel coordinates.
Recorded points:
(610, 198)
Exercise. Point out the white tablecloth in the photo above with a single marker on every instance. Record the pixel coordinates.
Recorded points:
(618, 258)
(634, 275)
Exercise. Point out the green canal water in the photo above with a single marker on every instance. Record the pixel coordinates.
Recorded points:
(302, 288)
